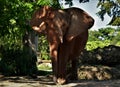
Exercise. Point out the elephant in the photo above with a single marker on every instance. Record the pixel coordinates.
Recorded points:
(67, 34)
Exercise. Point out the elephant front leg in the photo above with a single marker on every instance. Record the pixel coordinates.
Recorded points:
(62, 63)
(54, 59)
(61, 71)
(58, 64)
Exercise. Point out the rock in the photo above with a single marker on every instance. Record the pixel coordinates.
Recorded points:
(109, 55)
(98, 72)
(100, 63)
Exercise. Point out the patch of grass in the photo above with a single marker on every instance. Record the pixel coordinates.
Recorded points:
(45, 67)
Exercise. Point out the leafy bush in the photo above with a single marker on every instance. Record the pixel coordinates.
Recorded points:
(17, 62)
(13, 25)
(43, 48)
(95, 44)
(103, 37)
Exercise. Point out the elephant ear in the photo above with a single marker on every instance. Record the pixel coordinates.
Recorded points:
(76, 27)
(80, 22)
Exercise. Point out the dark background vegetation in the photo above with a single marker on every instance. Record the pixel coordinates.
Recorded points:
(17, 56)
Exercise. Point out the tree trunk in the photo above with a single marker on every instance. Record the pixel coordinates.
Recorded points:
(30, 52)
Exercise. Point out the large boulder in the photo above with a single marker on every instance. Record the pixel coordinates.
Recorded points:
(109, 55)
(100, 64)
(98, 72)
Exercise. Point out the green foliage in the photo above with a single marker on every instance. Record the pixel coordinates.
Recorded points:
(103, 34)
(115, 21)
(14, 15)
(13, 62)
(13, 21)
(95, 44)
(116, 39)
(112, 8)
(43, 48)
(43, 2)
(15, 58)
(45, 66)
(103, 37)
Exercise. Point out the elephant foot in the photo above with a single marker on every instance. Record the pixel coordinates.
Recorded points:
(61, 81)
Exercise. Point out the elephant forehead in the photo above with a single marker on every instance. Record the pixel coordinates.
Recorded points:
(61, 11)
(39, 13)
(35, 22)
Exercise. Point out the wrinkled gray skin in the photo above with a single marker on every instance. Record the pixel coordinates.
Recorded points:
(67, 34)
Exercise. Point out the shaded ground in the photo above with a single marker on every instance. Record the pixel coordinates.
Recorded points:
(44, 81)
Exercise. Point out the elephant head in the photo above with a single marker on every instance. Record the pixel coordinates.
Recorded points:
(38, 19)
(67, 22)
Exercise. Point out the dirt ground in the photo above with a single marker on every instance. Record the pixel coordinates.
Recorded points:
(44, 81)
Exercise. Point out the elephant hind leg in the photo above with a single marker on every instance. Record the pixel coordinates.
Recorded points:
(72, 69)
(74, 75)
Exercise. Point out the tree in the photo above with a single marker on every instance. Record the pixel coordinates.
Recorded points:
(103, 37)
(17, 40)
(111, 8)
(103, 34)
